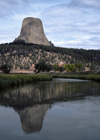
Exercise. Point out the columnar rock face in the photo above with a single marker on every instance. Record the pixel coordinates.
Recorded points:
(32, 32)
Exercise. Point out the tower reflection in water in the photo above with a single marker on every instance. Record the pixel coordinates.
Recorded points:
(32, 101)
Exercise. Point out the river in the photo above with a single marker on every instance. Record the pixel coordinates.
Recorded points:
(62, 109)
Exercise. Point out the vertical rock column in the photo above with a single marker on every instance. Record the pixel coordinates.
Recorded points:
(32, 32)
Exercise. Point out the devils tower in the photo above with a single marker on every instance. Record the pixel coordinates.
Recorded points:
(32, 32)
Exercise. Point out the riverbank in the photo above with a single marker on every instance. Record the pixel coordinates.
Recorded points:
(84, 77)
(7, 80)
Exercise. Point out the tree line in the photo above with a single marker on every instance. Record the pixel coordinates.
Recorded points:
(13, 52)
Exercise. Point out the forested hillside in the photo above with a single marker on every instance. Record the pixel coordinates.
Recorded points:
(25, 55)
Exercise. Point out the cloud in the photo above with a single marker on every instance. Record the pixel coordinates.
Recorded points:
(93, 4)
(11, 7)
(4, 36)
(68, 23)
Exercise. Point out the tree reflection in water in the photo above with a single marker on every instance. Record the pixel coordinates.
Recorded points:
(32, 101)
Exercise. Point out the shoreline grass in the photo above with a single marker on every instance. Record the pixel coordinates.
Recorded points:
(7, 80)
(93, 77)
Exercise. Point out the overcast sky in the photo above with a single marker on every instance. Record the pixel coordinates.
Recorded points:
(67, 23)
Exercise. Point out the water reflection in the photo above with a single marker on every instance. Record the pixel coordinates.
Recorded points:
(32, 117)
(28, 95)
(32, 101)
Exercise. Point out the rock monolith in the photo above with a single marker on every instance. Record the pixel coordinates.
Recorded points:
(32, 32)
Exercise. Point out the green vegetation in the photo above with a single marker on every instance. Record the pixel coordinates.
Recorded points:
(56, 67)
(42, 66)
(5, 65)
(79, 66)
(6, 68)
(7, 80)
(71, 68)
(24, 55)
(84, 77)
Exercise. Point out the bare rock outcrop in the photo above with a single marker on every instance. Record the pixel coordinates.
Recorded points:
(32, 32)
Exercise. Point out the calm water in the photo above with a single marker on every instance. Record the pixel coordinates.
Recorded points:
(64, 109)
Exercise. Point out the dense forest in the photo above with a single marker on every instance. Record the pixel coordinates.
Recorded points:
(25, 55)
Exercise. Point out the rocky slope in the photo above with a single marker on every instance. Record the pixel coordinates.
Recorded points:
(25, 56)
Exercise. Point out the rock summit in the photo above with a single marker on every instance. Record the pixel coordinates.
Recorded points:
(32, 32)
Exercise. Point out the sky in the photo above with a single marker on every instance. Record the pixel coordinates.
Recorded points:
(67, 23)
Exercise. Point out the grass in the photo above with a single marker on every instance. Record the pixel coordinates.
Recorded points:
(94, 77)
(7, 80)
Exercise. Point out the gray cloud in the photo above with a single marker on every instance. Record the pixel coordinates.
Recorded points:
(85, 4)
(10, 7)
(71, 23)
(73, 26)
